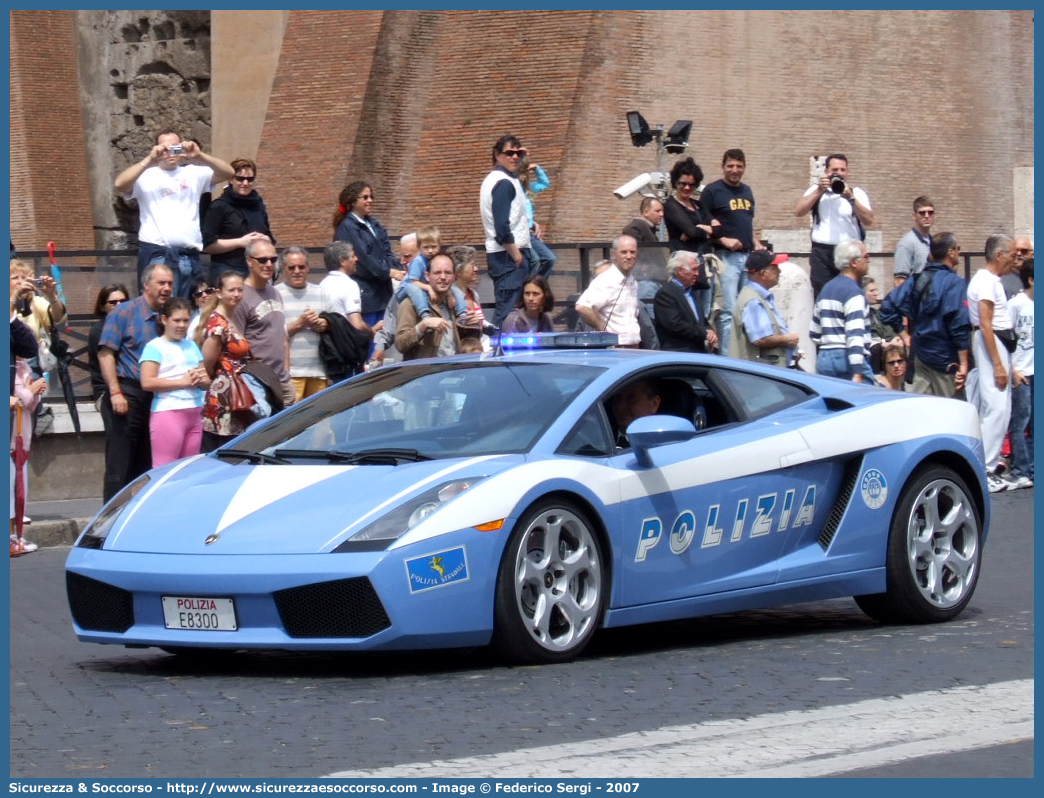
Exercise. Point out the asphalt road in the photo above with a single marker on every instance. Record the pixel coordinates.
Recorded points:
(86, 711)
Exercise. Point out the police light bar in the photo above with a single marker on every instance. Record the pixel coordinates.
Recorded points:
(558, 340)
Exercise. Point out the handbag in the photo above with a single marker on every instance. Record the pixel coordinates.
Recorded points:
(44, 356)
(240, 397)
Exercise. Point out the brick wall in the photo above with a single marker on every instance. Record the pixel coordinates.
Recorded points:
(313, 117)
(49, 195)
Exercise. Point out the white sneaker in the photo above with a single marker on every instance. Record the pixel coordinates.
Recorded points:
(22, 546)
(1021, 481)
(996, 484)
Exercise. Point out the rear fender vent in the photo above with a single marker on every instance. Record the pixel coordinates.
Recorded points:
(844, 495)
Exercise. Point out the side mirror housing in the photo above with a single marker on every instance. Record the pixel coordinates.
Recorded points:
(651, 431)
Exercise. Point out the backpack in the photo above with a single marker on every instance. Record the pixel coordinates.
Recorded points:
(342, 348)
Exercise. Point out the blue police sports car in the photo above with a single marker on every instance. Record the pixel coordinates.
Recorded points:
(529, 499)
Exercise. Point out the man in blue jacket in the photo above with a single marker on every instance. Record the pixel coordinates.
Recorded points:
(935, 301)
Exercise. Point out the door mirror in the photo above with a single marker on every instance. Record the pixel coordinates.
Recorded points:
(649, 431)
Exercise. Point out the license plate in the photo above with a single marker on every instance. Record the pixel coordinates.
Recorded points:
(199, 614)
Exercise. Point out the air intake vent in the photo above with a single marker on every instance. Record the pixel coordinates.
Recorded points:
(343, 608)
(98, 607)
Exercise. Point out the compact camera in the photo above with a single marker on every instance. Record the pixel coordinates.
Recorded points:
(837, 185)
(176, 149)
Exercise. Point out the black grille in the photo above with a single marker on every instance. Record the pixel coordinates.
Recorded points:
(343, 608)
(844, 495)
(98, 607)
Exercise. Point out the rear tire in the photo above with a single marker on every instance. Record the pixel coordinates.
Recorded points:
(934, 551)
(551, 586)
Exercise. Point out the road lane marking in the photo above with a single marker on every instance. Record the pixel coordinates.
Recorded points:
(800, 743)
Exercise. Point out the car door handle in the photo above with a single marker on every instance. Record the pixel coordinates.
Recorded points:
(795, 458)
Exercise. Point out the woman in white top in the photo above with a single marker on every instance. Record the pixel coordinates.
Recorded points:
(172, 369)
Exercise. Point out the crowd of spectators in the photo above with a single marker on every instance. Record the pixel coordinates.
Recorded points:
(198, 356)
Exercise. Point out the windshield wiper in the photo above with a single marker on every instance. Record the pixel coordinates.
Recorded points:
(363, 457)
(253, 457)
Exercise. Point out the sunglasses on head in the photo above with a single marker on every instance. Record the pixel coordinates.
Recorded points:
(203, 292)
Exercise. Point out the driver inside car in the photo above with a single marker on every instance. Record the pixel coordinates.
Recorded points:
(635, 400)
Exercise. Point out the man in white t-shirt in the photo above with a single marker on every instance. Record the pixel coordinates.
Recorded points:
(302, 303)
(840, 212)
(168, 184)
(989, 383)
(340, 259)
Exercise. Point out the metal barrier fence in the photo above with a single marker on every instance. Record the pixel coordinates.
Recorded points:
(84, 272)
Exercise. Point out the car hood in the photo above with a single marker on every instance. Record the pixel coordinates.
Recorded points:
(274, 509)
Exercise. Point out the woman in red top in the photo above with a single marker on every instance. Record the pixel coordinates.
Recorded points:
(225, 352)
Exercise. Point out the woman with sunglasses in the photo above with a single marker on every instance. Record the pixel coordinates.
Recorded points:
(893, 359)
(108, 298)
(233, 220)
(353, 222)
(201, 291)
(688, 227)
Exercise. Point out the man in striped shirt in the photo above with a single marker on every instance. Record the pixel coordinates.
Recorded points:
(840, 327)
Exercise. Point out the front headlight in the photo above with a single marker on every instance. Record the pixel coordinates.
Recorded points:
(397, 522)
(96, 531)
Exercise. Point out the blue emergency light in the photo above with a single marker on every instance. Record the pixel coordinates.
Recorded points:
(518, 342)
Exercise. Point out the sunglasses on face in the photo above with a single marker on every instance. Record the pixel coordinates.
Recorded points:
(513, 153)
(115, 302)
(203, 292)
(926, 213)
(297, 268)
(271, 260)
(244, 179)
(895, 362)
(686, 185)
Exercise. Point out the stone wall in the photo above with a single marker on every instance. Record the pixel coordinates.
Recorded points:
(140, 72)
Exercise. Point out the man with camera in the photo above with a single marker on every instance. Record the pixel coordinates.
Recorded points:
(168, 184)
(840, 212)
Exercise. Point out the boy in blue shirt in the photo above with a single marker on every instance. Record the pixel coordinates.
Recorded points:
(414, 285)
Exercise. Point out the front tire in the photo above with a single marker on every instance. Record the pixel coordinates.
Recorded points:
(551, 586)
(934, 551)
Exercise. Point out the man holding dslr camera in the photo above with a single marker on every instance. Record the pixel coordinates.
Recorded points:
(840, 212)
(167, 185)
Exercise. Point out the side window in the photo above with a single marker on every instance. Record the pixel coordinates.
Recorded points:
(590, 437)
(758, 396)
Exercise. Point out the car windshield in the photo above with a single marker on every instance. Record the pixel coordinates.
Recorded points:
(430, 411)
